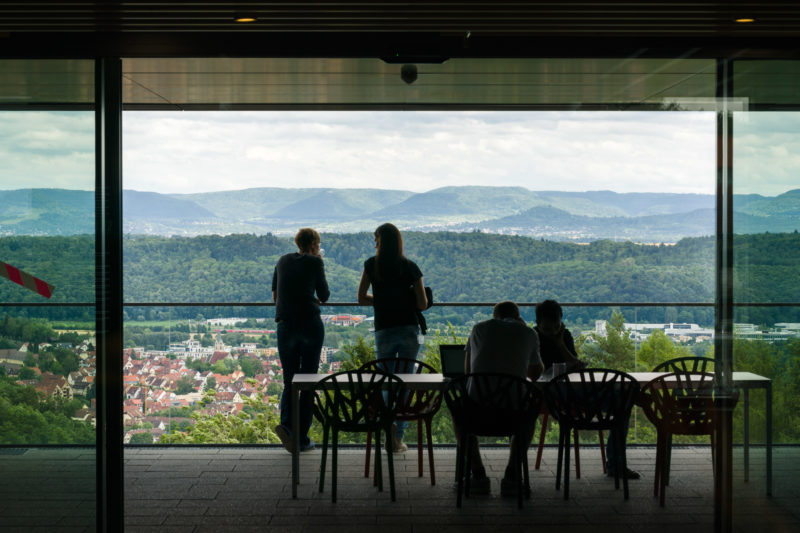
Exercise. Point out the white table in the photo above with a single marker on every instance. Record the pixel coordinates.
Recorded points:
(742, 380)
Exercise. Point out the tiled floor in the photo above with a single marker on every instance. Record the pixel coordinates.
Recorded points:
(248, 489)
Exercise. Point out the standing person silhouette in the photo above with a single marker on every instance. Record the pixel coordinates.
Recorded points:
(296, 279)
(397, 294)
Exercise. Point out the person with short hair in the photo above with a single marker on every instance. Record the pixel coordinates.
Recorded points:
(503, 344)
(397, 294)
(558, 346)
(298, 288)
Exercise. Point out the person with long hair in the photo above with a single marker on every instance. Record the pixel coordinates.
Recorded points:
(298, 288)
(397, 294)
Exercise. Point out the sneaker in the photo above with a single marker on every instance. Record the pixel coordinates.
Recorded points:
(285, 435)
(397, 444)
(307, 447)
(480, 485)
(508, 488)
(629, 474)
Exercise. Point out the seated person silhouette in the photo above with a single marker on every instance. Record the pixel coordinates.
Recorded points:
(556, 345)
(505, 345)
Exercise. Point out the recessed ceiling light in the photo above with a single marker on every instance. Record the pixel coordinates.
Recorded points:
(745, 20)
(244, 18)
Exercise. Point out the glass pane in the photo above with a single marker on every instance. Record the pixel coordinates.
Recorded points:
(767, 252)
(47, 353)
(492, 206)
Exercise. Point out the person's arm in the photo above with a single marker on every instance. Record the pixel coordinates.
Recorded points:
(363, 287)
(566, 346)
(419, 295)
(535, 365)
(323, 293)
(535, 370)
(275, 285)
(466, 358)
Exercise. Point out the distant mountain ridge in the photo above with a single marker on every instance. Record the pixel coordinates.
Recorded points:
(555, 215)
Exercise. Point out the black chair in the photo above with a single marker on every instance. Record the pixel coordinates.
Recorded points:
(492, 405)
(678, 403)
(354, 401)
(415, 405)
(591, 399)
(686, 364)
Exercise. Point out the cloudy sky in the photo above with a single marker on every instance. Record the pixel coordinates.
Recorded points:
(183, 152)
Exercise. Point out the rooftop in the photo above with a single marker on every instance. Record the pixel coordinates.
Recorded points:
(205, 489)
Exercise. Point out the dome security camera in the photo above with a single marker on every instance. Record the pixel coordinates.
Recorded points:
(408, 73)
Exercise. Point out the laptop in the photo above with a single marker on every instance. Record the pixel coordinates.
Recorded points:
(452, 357)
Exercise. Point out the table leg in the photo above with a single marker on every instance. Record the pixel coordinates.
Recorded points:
(296, 439)
(769, 438)
(746, 434)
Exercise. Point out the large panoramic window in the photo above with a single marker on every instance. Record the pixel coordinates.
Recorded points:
(47, 317)
(584, 207)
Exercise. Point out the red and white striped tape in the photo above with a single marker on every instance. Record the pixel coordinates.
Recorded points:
(26, 280)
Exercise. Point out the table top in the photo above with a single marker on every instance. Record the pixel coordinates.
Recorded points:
(433, 381)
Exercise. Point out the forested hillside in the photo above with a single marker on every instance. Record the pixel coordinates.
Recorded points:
(461, 267)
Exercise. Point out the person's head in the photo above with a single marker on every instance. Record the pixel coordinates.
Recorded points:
(307, 241)
(388, 241)
(548, 316)
(388, 250)
(505, 310)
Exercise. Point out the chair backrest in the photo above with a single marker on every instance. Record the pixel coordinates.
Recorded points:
(592, 398)
(492, 404)
(397, 365)
(686, 364)
(681, 402)
(452, 358)
(416, 402)
(353, 400)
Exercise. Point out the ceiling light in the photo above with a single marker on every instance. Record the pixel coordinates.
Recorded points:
(745, 20)
(244, 18)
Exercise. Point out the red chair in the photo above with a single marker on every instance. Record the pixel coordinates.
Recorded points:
(678, 403)
(416, 405)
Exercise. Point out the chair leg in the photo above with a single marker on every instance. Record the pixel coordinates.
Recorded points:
(660, 459)
(713, 458)
(525, 474)
(517, 462)
(542, 433)
(560, 456)
(378, 462)
(390, 464)
(419, 447)
(577, 454)
(460, 469)
(566, 463)
(369, 454)
(665, 471)
(668, 461)
(617, 461)
(325, 431)
(623, 456)
(334, 464)
(602, 450)
(468, 462)
(430, 450)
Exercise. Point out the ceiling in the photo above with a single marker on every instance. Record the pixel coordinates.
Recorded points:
(530, 17)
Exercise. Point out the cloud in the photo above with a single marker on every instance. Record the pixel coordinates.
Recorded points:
(47, 149)
(183, 152)
(631, 151)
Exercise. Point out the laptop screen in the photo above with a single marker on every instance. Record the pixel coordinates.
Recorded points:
(452, 356)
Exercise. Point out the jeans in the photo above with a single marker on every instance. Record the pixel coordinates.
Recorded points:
(391, 343)
(299, 346)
